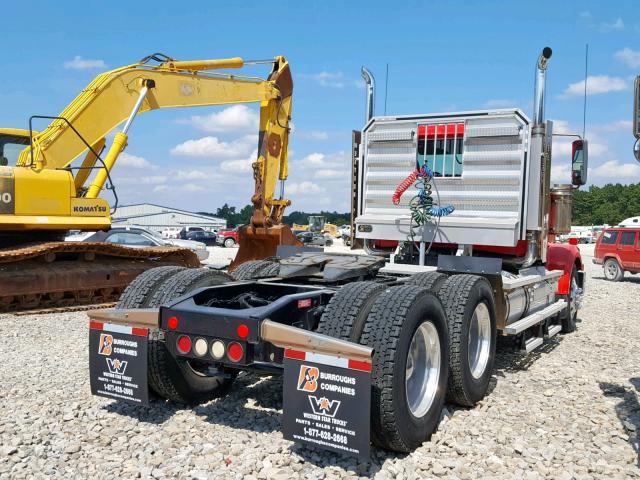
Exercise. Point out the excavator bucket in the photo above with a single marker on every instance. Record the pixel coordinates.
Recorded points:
(262, 242)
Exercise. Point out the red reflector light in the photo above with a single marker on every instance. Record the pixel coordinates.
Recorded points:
(242, 330)
(305, 303)
(235, 351)
(184, 344)
(573, 241)
(172, 323)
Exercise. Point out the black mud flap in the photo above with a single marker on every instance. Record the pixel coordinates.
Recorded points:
(118, 362)
(327, 402)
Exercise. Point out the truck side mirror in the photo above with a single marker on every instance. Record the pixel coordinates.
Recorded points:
(579, 162)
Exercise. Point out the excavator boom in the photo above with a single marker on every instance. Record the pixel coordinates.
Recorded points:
(54, 187)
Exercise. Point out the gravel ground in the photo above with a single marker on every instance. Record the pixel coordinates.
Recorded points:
(567, 411)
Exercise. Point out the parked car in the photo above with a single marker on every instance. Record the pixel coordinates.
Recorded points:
(315, 238)
(140, 237)
(618, 251)
(228, 237)
(207, 238)
(185, 230)
(583, 236)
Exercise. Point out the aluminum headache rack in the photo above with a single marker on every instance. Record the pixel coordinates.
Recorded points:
(479, 162)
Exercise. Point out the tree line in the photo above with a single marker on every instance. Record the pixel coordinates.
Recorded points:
(605, 205)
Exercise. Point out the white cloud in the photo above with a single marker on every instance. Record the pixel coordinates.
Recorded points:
(560, 173)
(499, 103)
(194, 175)
(615, 171)
(237, 118)
(314, 135)
(79, 63)
(192, 187)
(331, 173)
(628, 56)
(596, 84)
(618, 126)
(160, 188)
(212, 147)
(151, 180)
(333, 80)
(302, 188)
(133, 161)
(616, 25)
(314, 159)
(241, 165)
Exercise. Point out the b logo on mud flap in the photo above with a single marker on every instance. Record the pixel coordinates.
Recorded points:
(308, 379)
(105, 346)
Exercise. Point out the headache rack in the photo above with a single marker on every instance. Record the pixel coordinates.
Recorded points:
(479, 162)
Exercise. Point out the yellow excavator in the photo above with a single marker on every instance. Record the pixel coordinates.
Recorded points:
(60, 172)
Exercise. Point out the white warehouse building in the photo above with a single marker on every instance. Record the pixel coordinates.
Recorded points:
(159, 218)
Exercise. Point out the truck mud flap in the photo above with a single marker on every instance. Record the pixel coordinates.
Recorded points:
(118, 362)
(327, 402)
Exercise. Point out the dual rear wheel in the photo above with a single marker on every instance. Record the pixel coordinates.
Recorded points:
(433, 338)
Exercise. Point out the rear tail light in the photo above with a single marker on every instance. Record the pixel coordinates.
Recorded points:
(305, 303)
(217, 349)
(242, 330)
(235, 352)
(183, 344)
(172, 323)
(200, 347)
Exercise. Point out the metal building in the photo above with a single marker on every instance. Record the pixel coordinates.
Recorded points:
(161, 218)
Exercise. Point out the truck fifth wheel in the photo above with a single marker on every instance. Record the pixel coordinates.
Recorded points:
(457, 217)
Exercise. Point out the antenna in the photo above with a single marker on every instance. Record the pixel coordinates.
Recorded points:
(386, 89)
(584, 107)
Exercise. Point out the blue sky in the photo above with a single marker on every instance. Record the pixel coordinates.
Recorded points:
(442, 57)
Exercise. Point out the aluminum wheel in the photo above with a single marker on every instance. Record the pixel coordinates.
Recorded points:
(611, 269)
(575, 297)
(479, 340)
(422, 369)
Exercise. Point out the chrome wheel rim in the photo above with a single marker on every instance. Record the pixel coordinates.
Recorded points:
(573, 304)
(479, 343)
(422, 369)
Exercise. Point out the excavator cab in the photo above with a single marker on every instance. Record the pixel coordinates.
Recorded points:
(12, 142)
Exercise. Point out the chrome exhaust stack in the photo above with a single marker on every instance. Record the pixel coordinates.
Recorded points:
(367, 76)
(540, 86)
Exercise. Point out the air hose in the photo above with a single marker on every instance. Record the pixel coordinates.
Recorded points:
(422, 206)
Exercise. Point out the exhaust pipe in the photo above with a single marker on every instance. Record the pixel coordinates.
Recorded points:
(540, 87)
(367, 76)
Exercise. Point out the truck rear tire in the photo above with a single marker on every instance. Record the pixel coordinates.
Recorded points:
(407, 328)
(180, 380)
(139, 292)
(254, 269)
(348, 310)
(468, 301)
(432, 281)
(612, 270)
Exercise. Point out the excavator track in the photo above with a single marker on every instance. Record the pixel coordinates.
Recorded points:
(64, 275)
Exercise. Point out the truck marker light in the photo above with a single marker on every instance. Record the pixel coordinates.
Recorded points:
(184, 344)
(242, 330)
(235, 352)
(172, 323)
(305, 303)
(217, 349)
(200, 347)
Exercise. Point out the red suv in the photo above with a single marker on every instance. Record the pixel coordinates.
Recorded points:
(618, 250)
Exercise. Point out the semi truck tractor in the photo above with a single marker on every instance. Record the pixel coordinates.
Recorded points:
(457, 216)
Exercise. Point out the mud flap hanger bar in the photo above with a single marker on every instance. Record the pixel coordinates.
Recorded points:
(278, 334)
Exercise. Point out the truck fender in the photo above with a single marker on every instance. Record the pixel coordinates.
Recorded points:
(563, 257)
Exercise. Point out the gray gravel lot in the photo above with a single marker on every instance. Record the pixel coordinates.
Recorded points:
(567, 411)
